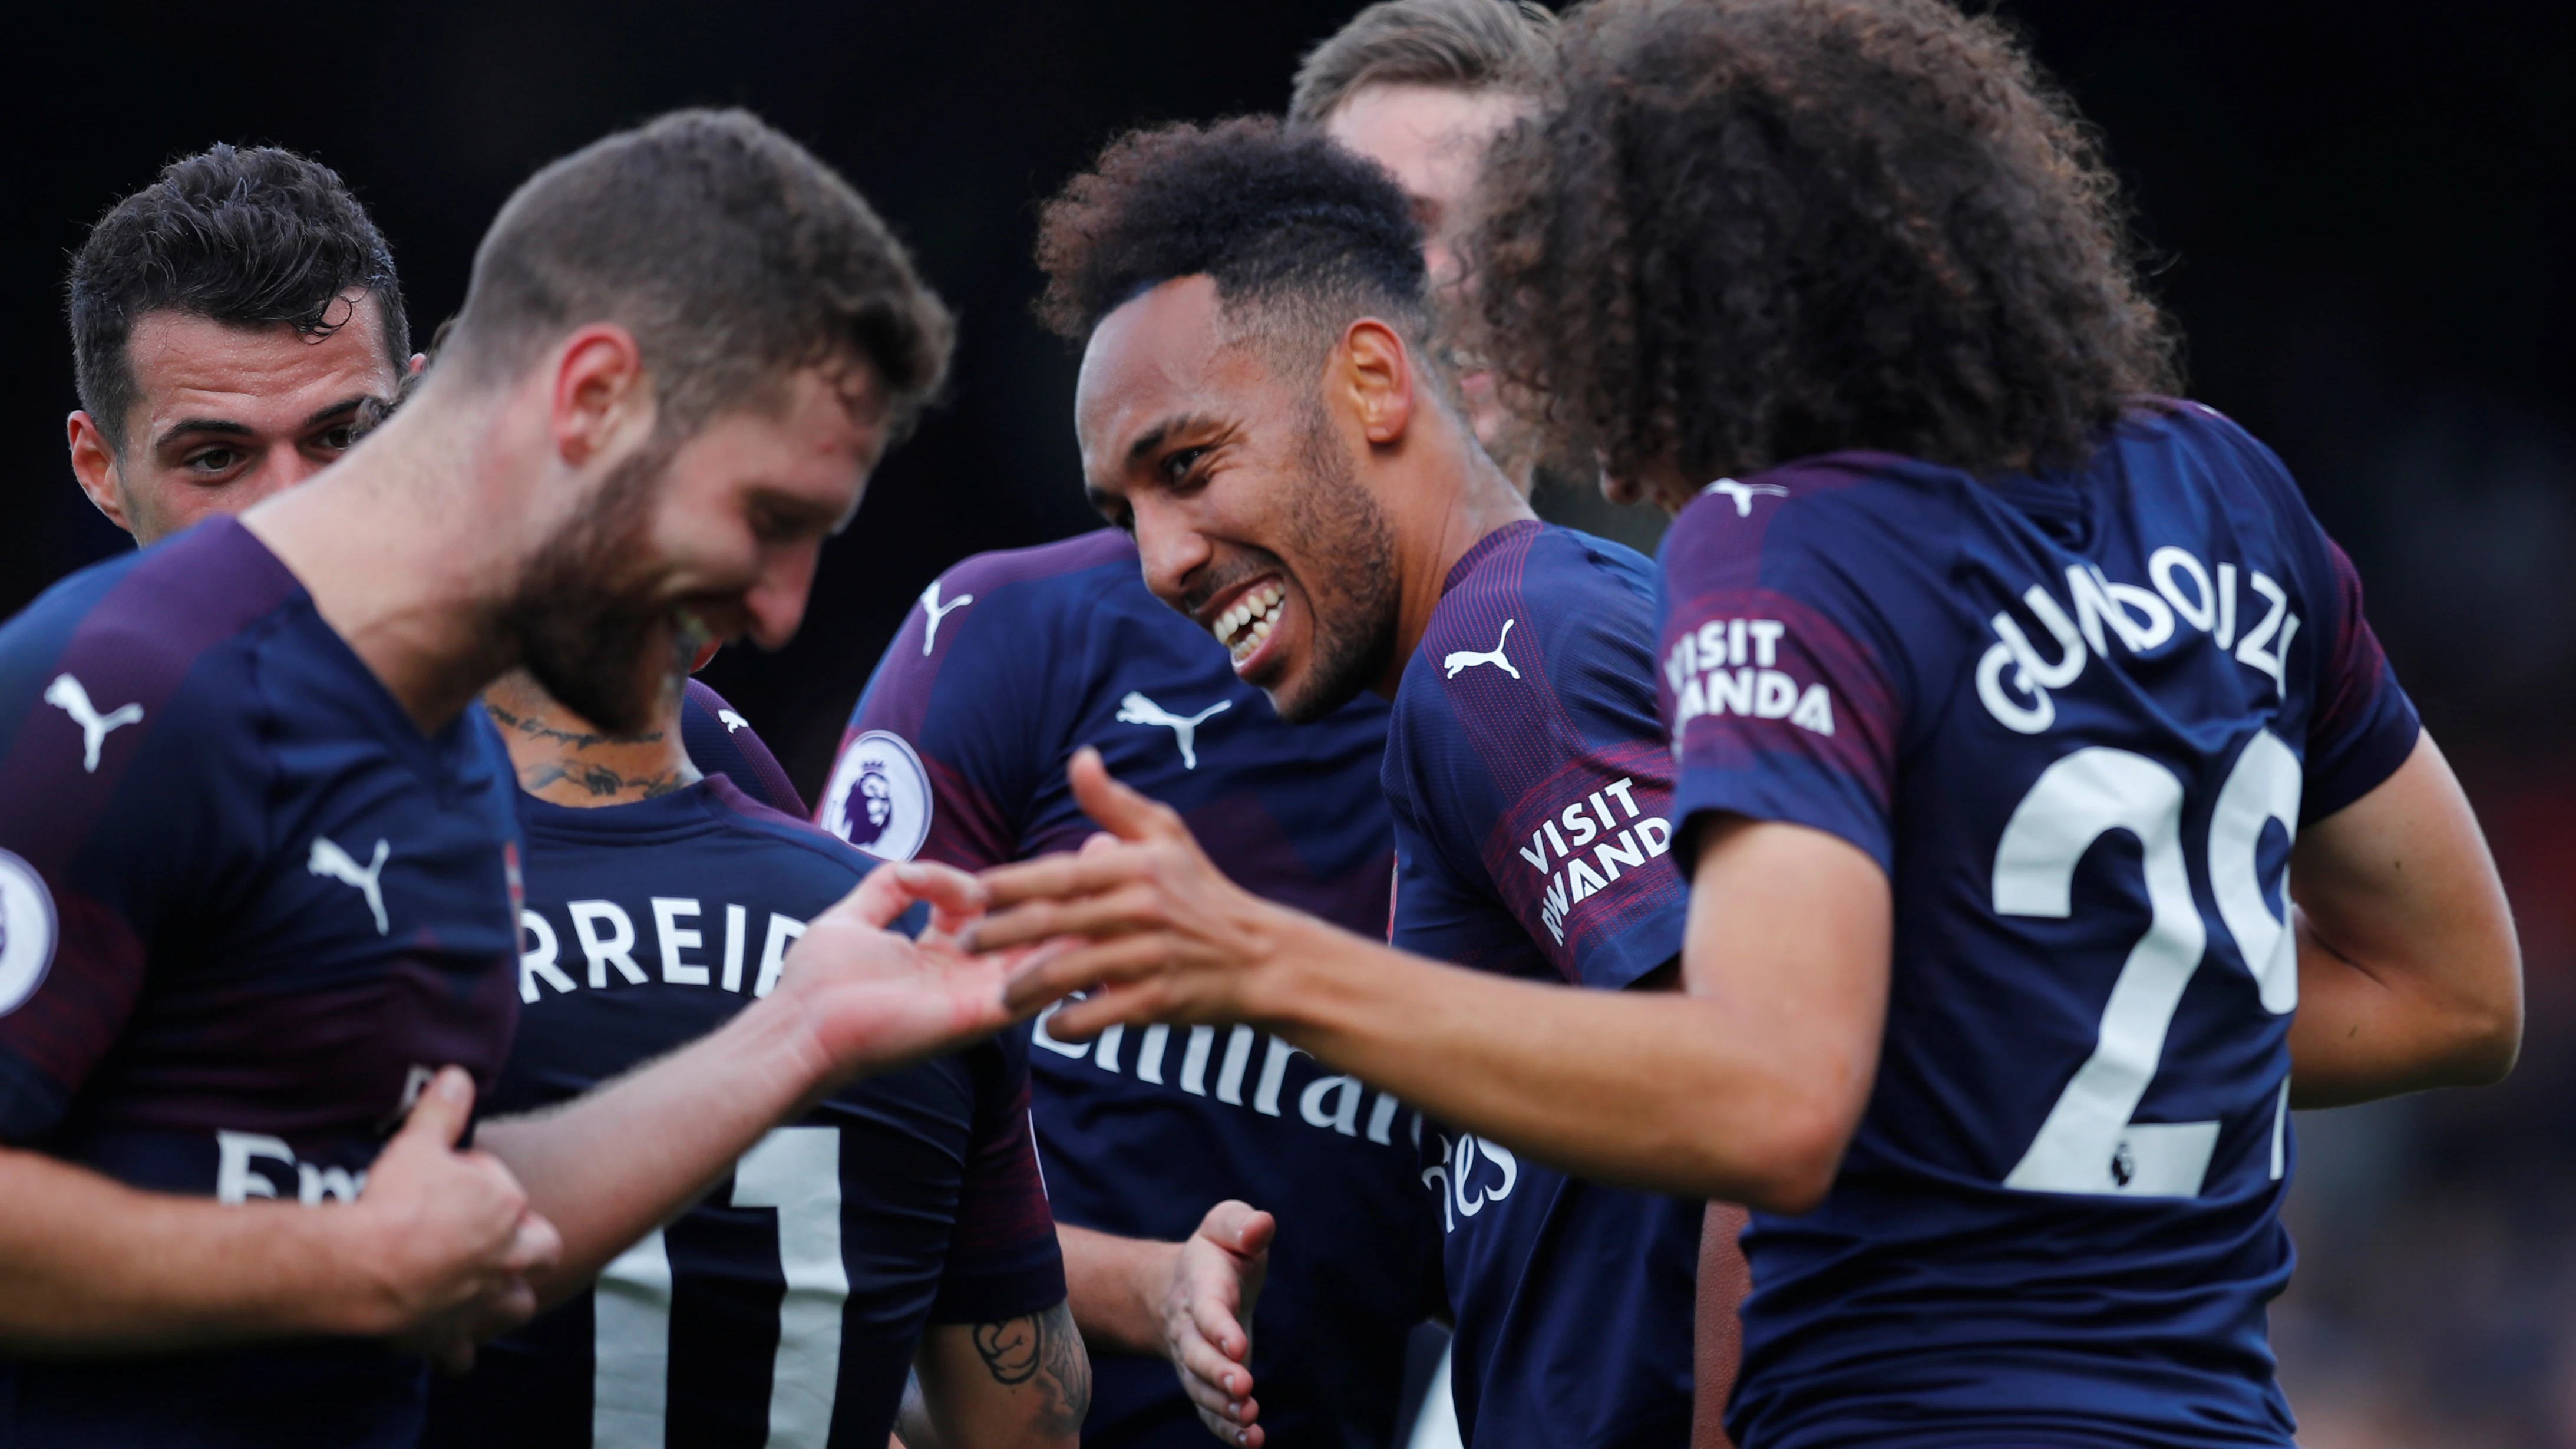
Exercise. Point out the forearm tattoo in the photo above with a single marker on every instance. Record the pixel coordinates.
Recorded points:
(1043, 1349)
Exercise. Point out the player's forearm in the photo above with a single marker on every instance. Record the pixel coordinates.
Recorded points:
(2370, 1030)
(1116, 1286)
(90, 1266)
(1655, 1091)
(1020, 1383)
(621, 1160)
(2410, 976)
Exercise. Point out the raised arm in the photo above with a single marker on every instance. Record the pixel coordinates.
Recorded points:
(2409, 973)
(1746, 1088)
(855, 998)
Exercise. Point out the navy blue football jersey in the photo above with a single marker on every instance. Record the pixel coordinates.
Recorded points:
(1531, 791)
(719, 741)
(957, 753)
(246, 910)
(2078, 718)
(782, 1309)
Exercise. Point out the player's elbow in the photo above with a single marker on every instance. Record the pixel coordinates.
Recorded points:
(1793, 1166)
(1782, 1159)
(2485, 1036)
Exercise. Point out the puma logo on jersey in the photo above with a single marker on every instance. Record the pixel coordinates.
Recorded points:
(1137, 709)
(329, 859)
(1469, 658)
(938, 611)
(1745, 493)
(67, 695)
(732, 722)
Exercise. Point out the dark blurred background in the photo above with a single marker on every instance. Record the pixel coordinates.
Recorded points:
(2362, 220)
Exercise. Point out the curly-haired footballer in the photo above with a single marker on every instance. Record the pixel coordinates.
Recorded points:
(2052, 821)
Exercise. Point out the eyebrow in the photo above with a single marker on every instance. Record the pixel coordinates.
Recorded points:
(188, 427)
(1154, 437)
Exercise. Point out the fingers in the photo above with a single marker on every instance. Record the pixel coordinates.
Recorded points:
(1122, 908)
(1121, 811)
(535, 1246)
(1058, 877)
(890, 890)
(1239, 1227)
(443, 1108)
(1048, 977)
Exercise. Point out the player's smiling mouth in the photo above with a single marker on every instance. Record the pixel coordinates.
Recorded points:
(1246, 624)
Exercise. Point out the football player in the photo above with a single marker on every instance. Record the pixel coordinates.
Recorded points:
(1256, 407)
(236, 326)
(2055, 824)
(257, 850)
(785, 1304)
(954, 754)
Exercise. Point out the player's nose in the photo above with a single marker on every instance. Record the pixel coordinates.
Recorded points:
(1170, 550)
(775, 605)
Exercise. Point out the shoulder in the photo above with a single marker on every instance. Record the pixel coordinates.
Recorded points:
(1548, 586)
(107, 653)
(1093, 560)
(784, 842)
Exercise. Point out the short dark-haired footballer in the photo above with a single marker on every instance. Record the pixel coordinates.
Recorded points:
(956, 754)
(1257, 406)
(247, 269)
(257, 874)
(2014, 706)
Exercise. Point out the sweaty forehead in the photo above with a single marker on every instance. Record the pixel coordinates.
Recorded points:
(190, 366)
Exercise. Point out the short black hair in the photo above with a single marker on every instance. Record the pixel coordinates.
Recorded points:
(1279, 218)
(248, 236)
(730, 251)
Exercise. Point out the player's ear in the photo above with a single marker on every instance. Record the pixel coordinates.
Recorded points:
(1376, 369)
(94, 466)
(600, 391)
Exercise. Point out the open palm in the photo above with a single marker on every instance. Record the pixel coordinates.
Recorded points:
(875, 999)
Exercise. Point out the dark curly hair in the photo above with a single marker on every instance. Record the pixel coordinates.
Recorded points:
(251, 236)
(1285, 222)
(1744, 231)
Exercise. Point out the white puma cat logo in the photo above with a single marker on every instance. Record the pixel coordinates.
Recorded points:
(1468, 658)
(66, 694)
(1744, 493)
(731, 721)
(1137, 709)
(329, 859)
(938, 611)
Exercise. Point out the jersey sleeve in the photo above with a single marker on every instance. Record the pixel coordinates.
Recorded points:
(952, 719)
(125, 806)
(2363, 726)
(1003, 1259)
(1774, 681)
(721, 742)
(1548, 795)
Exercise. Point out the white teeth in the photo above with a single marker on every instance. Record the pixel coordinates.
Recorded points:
(1258, 610)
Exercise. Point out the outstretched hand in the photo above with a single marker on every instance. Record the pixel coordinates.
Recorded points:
(875, 1000)
(1140, 915)
(1207, 1317)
